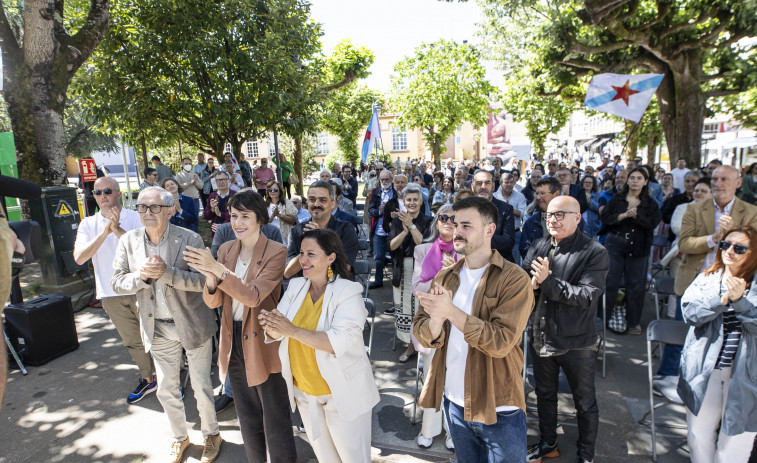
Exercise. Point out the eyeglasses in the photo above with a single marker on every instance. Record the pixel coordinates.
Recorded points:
(447, 218)
(273, 190)
(106, 192)
(559, 215)
(222, 179)
(739, 249)
(154, 208)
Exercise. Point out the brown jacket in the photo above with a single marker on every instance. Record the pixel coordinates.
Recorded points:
(699, 223)
(503, 302)
(260, 290)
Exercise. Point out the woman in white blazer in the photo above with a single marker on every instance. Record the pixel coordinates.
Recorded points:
(319, 322)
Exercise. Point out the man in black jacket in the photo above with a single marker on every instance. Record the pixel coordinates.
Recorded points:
(504, 236)
(568, 272)
(383, 196)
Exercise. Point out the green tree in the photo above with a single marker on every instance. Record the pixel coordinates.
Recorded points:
(205, 73)
(439, 88)
(696, 44)
(524, 98)
(347, 112)
(40, 58)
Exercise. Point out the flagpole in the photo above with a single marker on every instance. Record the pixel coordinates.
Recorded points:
(630, 134)
(375, 145)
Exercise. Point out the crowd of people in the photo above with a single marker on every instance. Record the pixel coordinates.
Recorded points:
(476, 258)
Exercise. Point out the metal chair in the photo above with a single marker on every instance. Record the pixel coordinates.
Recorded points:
(663, 287)
(370, 306)
(667, 332)
(363, 274)
(362, 247)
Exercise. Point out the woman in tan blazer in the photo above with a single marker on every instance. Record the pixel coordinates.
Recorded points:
(246, 280)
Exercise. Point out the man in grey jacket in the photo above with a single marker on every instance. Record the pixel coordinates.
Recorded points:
(173, 317)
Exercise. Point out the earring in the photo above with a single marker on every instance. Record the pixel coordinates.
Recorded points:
(330, 273)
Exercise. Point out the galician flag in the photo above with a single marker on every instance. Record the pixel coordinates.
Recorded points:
(371, 135)
(622, 95)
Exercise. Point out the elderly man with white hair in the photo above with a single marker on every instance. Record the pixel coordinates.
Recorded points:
(150, 262)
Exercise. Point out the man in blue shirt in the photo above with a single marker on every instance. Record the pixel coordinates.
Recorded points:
(302, 212)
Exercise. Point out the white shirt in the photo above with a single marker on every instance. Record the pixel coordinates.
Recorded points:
(103, 259)
(517, 201)
(271, 208)
(237, 308)
(457, 348)
(678, 175)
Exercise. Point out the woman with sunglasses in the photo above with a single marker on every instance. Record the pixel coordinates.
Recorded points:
(282, 211)
(407, 230)
(319, 322)
(185, 214)
(719, 359)
(629, 220)
(436, 252)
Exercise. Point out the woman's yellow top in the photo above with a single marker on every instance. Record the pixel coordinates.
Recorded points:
(307, 377)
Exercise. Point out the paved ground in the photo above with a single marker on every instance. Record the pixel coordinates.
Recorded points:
(73, 409)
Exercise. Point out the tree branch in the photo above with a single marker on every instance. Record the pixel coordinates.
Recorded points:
(723, 20)
(581, 64)
(83, 43)
(578, 47)
(8, 40)
(349, 77)
(717, 93)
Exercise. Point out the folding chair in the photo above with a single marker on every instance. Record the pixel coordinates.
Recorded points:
(667, 332)
(664, 287)
(363, 274)
(370, 306)
(362, 247)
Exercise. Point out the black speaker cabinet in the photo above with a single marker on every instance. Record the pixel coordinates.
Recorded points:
(43, 328)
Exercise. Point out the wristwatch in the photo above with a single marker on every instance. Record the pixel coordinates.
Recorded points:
(413, 227)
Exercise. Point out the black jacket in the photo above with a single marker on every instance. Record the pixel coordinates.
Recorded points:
(373, 208)
(571, 293)
(504, 236)
(639, 229)
(345, 230)
(407, 248)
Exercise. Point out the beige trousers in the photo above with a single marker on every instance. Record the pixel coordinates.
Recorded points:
(123, 312)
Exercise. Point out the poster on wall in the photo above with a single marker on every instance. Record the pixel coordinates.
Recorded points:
(498, 137)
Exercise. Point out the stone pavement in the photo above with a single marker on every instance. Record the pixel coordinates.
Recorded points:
(73, 409)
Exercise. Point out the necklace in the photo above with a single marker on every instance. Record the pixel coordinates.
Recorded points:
(245, 262)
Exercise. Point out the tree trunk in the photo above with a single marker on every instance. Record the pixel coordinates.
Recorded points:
(144, 153)
(682, 106)
(36, 77)
(297, 164)
(632, 147)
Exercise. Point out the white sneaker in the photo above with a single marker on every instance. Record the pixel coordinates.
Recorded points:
(448, 443)
(424, 442)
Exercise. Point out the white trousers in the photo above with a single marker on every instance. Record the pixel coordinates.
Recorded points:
(167, 354)
(431, 425)
(336, 439)
(706, 444)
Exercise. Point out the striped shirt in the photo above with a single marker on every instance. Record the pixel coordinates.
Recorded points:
(731, 336)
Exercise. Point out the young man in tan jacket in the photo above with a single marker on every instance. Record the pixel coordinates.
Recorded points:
(474, 315)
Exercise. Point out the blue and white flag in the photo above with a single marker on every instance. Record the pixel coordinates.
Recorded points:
(371, 135)
(623, 95)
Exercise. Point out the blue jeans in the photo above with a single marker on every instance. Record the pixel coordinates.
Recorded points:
(379, 256)
(503, 442)
(227, 387)
(670, 361)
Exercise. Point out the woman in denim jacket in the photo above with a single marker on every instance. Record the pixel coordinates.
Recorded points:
(718, 382)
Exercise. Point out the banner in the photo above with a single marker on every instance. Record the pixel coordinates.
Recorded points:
(622, 95)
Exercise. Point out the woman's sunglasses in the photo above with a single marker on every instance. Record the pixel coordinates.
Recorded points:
(447, 218)
(739, 249)
(106, 192)
(273, 190)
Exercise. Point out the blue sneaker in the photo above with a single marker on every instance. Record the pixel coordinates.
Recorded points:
(182, 392)
(143, 388)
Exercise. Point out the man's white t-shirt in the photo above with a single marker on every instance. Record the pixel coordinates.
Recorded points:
(678, 178)
(103, 259)
(457, 347)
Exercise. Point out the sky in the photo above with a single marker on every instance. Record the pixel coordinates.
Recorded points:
(392, 29)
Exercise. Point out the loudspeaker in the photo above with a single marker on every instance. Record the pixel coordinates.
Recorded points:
(43, 328)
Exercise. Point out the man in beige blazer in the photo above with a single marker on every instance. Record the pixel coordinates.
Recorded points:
(705, 223)
(173, 317)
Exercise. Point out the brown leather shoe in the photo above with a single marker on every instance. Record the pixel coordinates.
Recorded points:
(211, 449)
(177, 450)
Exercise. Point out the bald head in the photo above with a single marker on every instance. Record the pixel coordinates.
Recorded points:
(106, 182)
(563, 217)
(105, 201)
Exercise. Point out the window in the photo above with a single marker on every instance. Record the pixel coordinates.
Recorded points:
(271, 146)
(457, 140)
(711, 127)
(399, 139)
(322, 144)
(227, 148)
(252, 149)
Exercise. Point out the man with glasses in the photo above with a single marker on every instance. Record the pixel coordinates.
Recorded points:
(379, 198)
(565, 177)
(568, 271)
(236, 179)
(174, 318)
(529, 191)
(552, 166)
(262, 176)
(215, 210)
(97, 238)
(535, 226)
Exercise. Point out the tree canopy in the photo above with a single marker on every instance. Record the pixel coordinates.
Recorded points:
(697, 44)
(441, 86)
(346, 112)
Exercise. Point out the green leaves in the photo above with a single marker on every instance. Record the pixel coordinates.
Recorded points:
(438, 88)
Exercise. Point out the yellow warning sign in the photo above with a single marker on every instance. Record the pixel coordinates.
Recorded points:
(63, 209)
